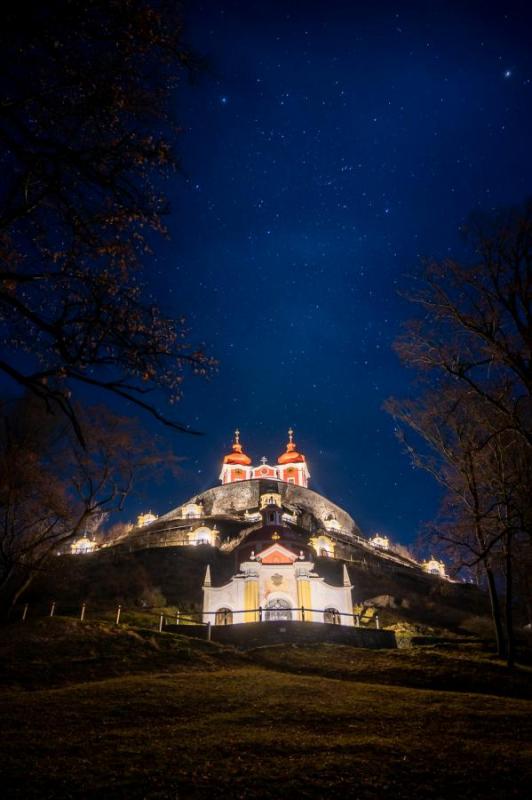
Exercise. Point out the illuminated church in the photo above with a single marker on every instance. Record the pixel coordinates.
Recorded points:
(291, 466)
(287, 544)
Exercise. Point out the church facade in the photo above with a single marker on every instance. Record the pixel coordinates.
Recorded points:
(277, 585)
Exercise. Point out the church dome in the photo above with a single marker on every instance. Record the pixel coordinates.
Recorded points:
(237, 456)
(290, 456)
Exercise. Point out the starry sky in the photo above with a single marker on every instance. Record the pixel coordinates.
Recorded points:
(327, 149)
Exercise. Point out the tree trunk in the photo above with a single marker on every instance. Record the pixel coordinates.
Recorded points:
(496, 613)
(510, 639)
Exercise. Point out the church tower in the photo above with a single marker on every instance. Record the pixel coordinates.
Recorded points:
(237, 465)
(292, 465)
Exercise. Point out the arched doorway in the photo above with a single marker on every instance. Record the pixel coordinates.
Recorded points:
(331, 616)
(278, 609)
(224, 616)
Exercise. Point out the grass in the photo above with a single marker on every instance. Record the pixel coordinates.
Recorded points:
(320, 721)
(59, 651)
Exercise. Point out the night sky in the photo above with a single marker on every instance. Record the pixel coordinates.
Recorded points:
(329, 148)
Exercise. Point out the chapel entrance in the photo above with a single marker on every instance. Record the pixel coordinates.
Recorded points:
(278, 610)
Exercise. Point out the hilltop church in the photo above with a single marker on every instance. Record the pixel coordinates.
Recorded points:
(279, 533)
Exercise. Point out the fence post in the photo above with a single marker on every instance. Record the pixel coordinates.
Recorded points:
(209, 631)
(52, 609)
(177, 617)
(25, 612)
(260, 613)
(161, 620)
(357, 620)
(377, 623)
(82, 615)
(118, 611)
(302, 613)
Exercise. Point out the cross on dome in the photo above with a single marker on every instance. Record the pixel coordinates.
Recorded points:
(290, 456)
(237, 456)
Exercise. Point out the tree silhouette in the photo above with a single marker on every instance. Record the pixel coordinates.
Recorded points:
(87, 136)
(476, 321)
(53, 489)
(471, 349)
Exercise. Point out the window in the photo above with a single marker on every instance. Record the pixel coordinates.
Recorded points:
(332, 616)
(224, 616)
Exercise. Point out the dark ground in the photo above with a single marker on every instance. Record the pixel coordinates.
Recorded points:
(91, 711)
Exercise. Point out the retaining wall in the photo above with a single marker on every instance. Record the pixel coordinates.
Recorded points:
(256, 634)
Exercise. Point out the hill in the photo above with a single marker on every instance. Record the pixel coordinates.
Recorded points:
(92, 711)
(173, 576)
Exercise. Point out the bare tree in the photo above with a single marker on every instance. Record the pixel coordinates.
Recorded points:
(447, 445)
(87, 135)
(476, 325)
(53, 490)
(472, 347)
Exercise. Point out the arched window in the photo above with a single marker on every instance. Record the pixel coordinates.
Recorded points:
(332, 616)
(224, 616)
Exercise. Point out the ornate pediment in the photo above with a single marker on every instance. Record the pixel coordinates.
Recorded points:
(277, 554)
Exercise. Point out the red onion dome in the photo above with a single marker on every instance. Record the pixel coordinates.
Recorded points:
(237, 456)
(291, 456)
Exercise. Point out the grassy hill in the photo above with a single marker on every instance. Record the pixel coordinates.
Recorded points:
(91, 711)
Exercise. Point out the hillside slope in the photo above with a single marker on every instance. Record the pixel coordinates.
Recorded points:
(173, 576)
(305, 722)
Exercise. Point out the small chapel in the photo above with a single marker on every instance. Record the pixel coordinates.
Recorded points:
(276, 583)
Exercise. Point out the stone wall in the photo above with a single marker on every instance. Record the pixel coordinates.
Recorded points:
(257, 634)
(234, 498)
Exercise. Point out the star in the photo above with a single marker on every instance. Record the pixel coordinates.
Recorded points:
(224, 100)
(508, 73)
